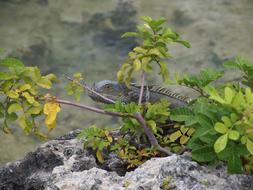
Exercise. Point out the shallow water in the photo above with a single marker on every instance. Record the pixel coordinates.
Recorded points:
(64, 37)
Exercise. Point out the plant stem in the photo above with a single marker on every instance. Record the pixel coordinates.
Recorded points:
(142, 87)
(151, 137)
(91, 90)
(96, 110)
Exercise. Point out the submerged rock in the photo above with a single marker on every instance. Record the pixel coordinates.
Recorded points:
(62, 164)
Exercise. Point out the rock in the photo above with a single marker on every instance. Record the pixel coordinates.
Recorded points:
(62, 164)
(36, 168)
(176, 172)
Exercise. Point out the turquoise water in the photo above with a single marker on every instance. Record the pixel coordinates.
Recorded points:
(64, 37)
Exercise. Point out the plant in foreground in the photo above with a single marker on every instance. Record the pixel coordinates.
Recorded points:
(217, 125)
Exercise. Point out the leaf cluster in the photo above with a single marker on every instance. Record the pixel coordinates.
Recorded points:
(20, 90)
(154, 50)
(222, 119)
(73, 88)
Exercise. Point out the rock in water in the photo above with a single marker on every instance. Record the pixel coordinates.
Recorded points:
(62, 164)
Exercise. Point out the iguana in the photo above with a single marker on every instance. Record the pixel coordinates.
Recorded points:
(117, 91)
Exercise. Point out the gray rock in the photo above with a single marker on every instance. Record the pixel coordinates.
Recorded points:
(177, 171)
(36, 168)
(62, 164)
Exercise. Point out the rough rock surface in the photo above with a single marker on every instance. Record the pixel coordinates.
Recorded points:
(62, 164)
(36, 168)
(182, 173)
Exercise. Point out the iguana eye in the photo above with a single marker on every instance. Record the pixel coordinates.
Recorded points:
(107, 86)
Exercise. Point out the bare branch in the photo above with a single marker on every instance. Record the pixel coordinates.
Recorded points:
(142, 87)
(96, 110)
(152, 139)
(91, 90)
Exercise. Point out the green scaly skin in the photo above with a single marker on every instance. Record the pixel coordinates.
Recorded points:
(120, 92)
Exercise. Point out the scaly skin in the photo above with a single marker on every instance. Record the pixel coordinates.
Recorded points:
(116, 91)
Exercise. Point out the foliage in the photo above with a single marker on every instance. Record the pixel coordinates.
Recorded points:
(200, 81)
(97, 139)
(216, 126)
(73, 88)
(154, 49)
(244, 66)
(22, 100)
(223, 123)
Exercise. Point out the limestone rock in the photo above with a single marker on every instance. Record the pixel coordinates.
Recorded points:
(62, 164)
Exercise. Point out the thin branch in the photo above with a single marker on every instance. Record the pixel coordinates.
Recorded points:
(142, 87)
(152, 139)
(91, 90)
(96, 110)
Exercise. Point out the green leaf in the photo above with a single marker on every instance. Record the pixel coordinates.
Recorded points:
(152, 125)
(52, 77)
(204, 154)
(146, 19)
(130, 34)
(25, 87)
(214, 94)
(180, 114)
(34, 110)
(11, 62)
(155, 51)
(235, 164)
(231, 64)
(249, 145)
(233, 135)
(238, 100)
(11, 117)
(7, 76)
(221, 143)
(44, 83)
(164, 71)
(185, 43)
(220, 128)
(226, 121)
(14, 108)
(229, 95)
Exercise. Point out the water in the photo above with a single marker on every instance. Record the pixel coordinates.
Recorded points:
(64, 37)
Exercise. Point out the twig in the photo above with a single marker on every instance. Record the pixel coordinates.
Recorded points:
(96, 110)
(153, 141)
(142, 87)
(91, 90)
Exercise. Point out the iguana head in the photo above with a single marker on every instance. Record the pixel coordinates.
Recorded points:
(110, 89)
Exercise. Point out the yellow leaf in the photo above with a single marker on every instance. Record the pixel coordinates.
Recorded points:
(12, 94)
(44, 83)
(28, 97)
(50, 110)
(184, 139)
(174, 136)
(51, 126)
(25, 87)
(109, 138)
(137, 65)
(120, 76)
(99, 156)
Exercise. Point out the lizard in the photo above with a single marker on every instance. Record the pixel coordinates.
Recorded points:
(116, 91)
(152, 93)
